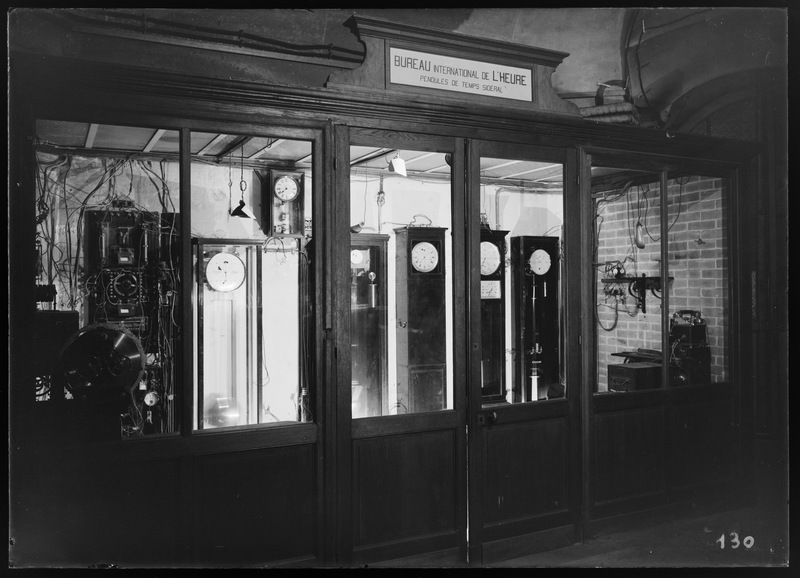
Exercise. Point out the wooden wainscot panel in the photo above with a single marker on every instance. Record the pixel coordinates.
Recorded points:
(447, 66)
(78, 511)
(530, 480)
(255, 507)
(629, 457)
(703, 442)
(404, 488)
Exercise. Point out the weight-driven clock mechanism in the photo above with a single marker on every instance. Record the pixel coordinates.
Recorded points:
(535, 286)
(421, 320)
(493, 323)
(283, 204)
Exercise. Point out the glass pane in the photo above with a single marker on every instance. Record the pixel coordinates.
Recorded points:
(628, 282)
(698, 261)
(108, 273)
(251, 226)
(522, 218)
(401, 282)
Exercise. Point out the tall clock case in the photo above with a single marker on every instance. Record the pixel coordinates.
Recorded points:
(368, 320)
(535, 322)
(421, 319)
(493, 323)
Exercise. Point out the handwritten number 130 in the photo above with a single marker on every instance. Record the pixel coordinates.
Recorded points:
(748, 541)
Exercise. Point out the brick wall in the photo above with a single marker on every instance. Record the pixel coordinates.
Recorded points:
(697, 263)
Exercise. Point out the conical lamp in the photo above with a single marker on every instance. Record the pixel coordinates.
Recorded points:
(239, 211)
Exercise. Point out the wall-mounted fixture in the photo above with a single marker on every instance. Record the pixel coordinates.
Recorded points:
(639, 286)
(639, 235)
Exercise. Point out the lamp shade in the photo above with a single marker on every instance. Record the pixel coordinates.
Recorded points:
(240, 212)
(398, 165)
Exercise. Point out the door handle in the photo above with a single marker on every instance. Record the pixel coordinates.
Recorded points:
(487, 418)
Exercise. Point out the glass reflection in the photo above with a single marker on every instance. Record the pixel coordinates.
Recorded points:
(251, 232)
(520, 274)
(400, 282)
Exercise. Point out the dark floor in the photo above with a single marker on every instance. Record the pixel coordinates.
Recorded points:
(694, 539)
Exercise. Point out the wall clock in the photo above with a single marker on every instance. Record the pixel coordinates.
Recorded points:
(225, 272)
(286, 188)
(283, 214)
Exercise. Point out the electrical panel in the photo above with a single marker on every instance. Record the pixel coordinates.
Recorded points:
(130, 276)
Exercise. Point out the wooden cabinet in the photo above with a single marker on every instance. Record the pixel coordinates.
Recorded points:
(535, 282)
(421, 319)
(493, 314)
(368, 315)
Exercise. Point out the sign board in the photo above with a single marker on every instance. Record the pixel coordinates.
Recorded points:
(428, 70)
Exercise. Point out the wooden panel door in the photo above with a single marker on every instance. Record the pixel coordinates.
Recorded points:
(401, 449)
(523, 435)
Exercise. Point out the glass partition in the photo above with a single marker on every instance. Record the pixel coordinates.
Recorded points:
(108, 275)
(699, 294)
(628, 279)
(522, 302)
(251, 229)
(650, 312)
(400, 282)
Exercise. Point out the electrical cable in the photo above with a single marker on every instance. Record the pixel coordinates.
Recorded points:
(677, 216)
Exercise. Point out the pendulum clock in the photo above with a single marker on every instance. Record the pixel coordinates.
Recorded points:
(493, 311)
(368, 314)
(535, 282)
(421, 320)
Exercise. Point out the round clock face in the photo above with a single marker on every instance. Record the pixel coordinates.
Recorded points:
(286, 188)
(539, 262)
(356, 257)
(424, 257)
(225, 272)
(490, 258)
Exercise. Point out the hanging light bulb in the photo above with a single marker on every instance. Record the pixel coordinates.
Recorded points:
(638, 238)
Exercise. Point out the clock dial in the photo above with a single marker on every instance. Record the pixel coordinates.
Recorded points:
(539, 261)
(424, 257)
(491, 289)
(490, 258)
(151, 398)
(225, 272)
(286, 188)
(356, 257)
